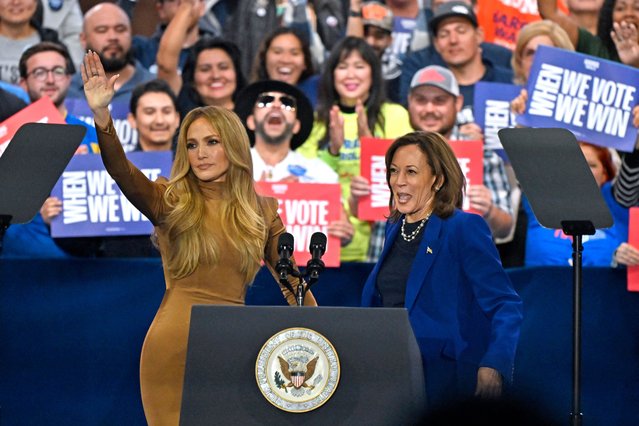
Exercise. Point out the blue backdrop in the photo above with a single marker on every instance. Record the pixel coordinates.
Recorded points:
(71, 332)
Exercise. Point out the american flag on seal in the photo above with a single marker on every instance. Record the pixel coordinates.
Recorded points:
(298, 378)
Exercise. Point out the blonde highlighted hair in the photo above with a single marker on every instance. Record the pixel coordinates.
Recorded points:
(529, 31)
(244, 227)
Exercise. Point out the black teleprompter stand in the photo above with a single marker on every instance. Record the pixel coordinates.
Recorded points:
(30, 167)
(564, 195)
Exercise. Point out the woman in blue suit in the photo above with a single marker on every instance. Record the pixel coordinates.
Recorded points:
(440, 264)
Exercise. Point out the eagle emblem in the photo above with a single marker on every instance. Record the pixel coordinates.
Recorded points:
(297, 372)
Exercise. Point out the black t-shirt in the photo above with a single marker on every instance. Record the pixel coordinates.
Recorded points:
(393, 274)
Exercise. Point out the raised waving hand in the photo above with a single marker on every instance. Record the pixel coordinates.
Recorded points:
(98, 89)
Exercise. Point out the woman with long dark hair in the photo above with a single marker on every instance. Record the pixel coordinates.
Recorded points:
(285, 55)
(352, 104)
(212, 74)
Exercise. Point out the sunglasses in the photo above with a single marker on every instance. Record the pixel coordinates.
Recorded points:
(287, 103)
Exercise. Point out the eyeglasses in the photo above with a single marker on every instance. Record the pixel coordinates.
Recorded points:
(287, 103)
(42, 73)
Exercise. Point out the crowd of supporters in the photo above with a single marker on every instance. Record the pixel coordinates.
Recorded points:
(367, 68)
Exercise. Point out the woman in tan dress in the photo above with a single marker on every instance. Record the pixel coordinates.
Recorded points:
(212, 229)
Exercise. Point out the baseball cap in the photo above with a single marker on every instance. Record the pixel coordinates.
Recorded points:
(434, 75)
(450, 9)
(378, 15)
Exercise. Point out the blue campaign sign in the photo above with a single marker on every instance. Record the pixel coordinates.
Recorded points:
(119, 111)
(492, 110)
(591, 97)
(92, 203)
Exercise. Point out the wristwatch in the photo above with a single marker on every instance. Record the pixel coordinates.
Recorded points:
(355, 14)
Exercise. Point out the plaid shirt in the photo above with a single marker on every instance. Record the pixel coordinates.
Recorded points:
(495, 179)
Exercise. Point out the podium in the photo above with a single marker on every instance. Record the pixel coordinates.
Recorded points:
(381, 377)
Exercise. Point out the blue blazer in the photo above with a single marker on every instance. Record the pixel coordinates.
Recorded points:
(460, 302)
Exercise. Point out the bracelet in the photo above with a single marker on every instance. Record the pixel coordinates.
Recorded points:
(354, 14)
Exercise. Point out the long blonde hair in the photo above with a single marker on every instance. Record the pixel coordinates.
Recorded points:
(244, 227)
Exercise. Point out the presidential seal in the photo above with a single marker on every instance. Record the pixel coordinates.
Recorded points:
(297, 370)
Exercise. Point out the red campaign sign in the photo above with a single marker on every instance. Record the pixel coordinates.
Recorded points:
(306, 208)
(633, 240)
(502, 19)
(41, 111)
(470, 155)
(373, 168)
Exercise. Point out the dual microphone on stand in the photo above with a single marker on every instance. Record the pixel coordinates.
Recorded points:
(314, 266)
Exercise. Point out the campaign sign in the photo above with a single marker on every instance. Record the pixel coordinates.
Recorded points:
(492, 111)
(41, 111)
(470, 156)
(92, 203)
(502, 19)
(633, 240)
(373, 168)
(591, 97)
(119, 111)
(306, 208)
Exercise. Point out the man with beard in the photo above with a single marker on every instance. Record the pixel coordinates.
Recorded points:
(279, 118)
(434, 101)
(45, 70)
(107, 31)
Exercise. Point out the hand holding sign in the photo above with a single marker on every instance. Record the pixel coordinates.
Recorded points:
(518, 105)
(480, 199)
(51, 208)
(360, 187)
(471, 131)
(342, 229)
(626, 255)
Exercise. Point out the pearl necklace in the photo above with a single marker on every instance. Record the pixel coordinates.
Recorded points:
(413, 235)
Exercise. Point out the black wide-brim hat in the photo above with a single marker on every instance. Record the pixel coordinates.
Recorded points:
(245, 102)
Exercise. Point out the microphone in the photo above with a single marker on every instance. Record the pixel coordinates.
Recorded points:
(317, 247)
(284, 248)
